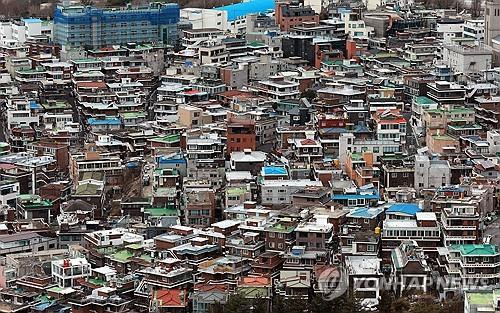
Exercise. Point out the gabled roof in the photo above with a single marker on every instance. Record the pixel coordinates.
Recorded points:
(171, 297)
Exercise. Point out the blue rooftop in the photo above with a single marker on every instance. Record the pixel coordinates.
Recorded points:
(365, 212)
(406, 208)
(31, 20)
(451, 188)
(165, 160)
(34, 105)
(274, 170)
(105, 121)
(374, 196)
(241, 9)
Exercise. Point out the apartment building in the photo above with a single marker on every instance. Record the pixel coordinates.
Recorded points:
(460, 224)
(78, 26)
(66, 272)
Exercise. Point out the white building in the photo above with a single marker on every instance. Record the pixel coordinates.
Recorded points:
(431, 173)
(280, 191)
(448, 29)
(466, 59)
(9, 190)
(205, 18)
(279, 89)
(364, 277)
(111, 238)
(316, 5)
(20, 31)
(493, 138)
(349, 144)
(356, 27)
(65, 272)
(474, 29)
(19, 113)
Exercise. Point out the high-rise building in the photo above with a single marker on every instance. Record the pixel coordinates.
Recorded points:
(80, 26)
(491, 21)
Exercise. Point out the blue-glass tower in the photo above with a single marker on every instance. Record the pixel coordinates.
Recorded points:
(77, 26)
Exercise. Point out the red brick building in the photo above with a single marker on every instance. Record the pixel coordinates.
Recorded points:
(288, 15)
(240, 134)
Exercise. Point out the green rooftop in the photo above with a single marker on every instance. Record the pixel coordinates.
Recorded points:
(146, 257)
(97, 282)
(168, 138)
(442, 137)
(122, 256)
(33, 201)
(86, 60)
(456, 110)
(129, 115)
(356, 156)
(157, 212)
(31, 71)
(422, 100)
(476, 249)
(56, 105)
(88, 189)
(332, 62)
(55, 289)
(282, 228)
(236, 191)
(134, 246)
(256, 44)
(165, 192)
(483, 298)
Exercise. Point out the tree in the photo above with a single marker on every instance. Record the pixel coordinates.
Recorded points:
(278, 305)
(309, 94)
(426, 307)
(236, 304)
(385, 305)
(401, 305)
(320, 305)
(350, 303)
(216, 307)
(259, 305)
(455, 305)
(296, 305)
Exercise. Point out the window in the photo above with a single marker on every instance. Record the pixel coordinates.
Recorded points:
(370, 248)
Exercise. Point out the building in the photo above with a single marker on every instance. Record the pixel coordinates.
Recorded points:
(66, 272)
(364, 276)
(491, 22)
(431, 173)
(410, 270)
(474, 29)
(466, 59)
(205, 18)
(460, 224)
(289, 16)
(474, 265)
(448, 29)
(241, 135)
(482, 301)
(78, 26)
